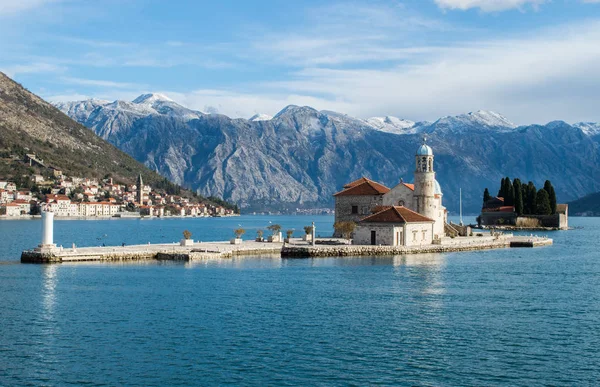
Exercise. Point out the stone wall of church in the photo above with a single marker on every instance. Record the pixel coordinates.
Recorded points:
(419, 234)
(400, 195)
(363, 203)
(384, 234)
(388, 234)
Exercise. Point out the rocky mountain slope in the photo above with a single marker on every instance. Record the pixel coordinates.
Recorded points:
(588, 205)
(28, 124)
(301, 156)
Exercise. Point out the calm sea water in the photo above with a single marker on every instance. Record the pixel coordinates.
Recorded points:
(504, 317)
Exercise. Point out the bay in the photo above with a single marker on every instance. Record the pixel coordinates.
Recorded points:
(501, 317)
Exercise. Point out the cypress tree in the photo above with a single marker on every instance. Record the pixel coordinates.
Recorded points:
(486, 196)
(518, 189)
(524, 194)
(501, 190)
(552, 194)
(509, 199)
(543, 203)
(531, 198)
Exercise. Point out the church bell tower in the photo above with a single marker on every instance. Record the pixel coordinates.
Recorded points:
(425, 182)
(140, 190)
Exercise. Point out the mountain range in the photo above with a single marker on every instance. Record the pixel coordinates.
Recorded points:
(301, 156)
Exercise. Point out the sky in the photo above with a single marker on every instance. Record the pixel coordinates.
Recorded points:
(533, 61)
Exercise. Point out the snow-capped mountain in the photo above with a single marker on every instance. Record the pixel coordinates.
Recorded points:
(260, 117)
(109, 118)
(395, 125)
(589, 128)
(480, 120)
(301, 156)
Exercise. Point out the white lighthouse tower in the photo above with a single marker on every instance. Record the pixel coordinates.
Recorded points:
(426, 189)
(47, 244)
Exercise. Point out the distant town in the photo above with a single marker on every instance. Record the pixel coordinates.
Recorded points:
(83, 197)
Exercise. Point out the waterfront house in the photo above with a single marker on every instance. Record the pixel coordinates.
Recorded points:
(6, 196)
(11, 210)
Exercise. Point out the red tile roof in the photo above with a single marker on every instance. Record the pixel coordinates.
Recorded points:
(411, 186)
(56, 197)
(363, 186)
(396, 214)
(356, 182)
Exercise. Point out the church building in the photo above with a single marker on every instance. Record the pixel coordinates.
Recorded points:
(361, 199)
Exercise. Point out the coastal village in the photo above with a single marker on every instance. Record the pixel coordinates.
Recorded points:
(81, 197)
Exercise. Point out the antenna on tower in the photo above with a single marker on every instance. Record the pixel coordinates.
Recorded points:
(460, 205)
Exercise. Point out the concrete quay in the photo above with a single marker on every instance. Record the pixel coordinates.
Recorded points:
(296, 248)
(173, 251)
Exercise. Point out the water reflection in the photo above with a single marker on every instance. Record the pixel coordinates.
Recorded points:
(420, 260)
(49, 281)
(426, 273)
(264, 261)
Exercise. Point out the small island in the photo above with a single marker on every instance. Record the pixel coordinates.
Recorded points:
(521, 206)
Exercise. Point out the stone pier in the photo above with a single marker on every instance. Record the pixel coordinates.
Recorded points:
(295, 249)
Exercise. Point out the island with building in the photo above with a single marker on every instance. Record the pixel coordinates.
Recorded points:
(83, 197)
(522, 206)
(370, 220)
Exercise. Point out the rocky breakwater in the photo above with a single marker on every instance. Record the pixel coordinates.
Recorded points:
(469, 244)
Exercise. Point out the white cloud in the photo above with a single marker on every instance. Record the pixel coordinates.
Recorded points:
(496, 5)
(31, 68)
(368, 61)
(12, 7)
(487, 5)
(100, 83)
(551, 75)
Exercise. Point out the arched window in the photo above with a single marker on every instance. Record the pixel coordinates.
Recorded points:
(401, 202)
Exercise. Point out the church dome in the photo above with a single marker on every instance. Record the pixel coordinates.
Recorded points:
(424, 150)
(438, 189)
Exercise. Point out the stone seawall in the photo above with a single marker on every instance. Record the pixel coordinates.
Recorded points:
(296, 249)
(353, 250)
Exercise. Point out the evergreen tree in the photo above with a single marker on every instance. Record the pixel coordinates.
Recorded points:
(531, 198)
(486, 196)
(524, 194)
(552, 194)
(543, 203)
(509, 199)
(502, 190)
(518, 189)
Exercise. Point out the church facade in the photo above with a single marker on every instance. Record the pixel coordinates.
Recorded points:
(362, 198)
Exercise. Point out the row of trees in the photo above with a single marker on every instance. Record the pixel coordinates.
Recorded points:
(526, 198)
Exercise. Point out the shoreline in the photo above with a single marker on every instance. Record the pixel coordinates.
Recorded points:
(36, 217)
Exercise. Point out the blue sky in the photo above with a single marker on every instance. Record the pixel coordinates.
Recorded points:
(532, 60)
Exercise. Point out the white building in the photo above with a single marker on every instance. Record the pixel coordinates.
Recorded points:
(11, 209)
(394, 226)
(6, 196)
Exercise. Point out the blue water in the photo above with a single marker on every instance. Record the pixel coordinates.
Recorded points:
(503, 317)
